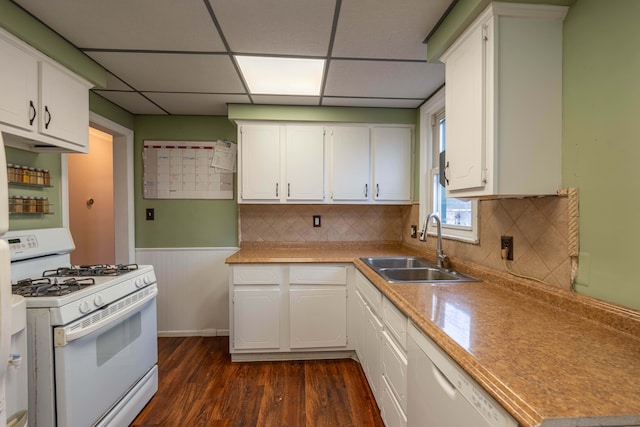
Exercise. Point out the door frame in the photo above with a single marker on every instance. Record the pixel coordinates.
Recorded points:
(123, 189)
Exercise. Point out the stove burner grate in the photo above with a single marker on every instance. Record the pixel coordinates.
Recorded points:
(46, 287)
(91, 270)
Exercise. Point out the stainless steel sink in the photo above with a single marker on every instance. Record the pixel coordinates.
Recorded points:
(414, 270)
(397, 262)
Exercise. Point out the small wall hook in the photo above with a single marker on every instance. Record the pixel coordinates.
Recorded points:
(90, 202)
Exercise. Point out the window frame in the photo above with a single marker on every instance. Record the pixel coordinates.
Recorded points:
(431, 109)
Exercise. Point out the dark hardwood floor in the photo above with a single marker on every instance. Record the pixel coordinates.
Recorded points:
(199, 386)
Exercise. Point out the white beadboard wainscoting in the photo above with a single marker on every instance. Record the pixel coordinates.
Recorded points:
(193, 289)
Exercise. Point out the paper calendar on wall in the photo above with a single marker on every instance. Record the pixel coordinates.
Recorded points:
(188, 169)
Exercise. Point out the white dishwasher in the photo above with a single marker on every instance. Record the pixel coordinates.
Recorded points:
(441, 394)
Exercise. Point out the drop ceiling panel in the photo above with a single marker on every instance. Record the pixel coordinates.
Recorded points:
(196, 103)
(170, 72)
(383, 79)
(386, 29)
(133, 102)
(282, 27)
(126, 24)
(114, 83)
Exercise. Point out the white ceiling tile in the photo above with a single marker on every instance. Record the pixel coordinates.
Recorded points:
(170, 72)
(133, 102)
(372, 102)
(286, 100)
(383, 79)
(196, 103)
(281, 27)
(125, 24)
(114, 83)
(386, 29)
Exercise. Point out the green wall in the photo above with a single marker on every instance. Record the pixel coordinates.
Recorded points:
(601, 143)
(183, 223)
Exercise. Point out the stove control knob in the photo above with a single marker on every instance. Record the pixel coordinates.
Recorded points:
(84, 307)
(98, 301)
(147, 279)
(139, 283)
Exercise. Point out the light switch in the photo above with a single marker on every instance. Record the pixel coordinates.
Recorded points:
(316, 220)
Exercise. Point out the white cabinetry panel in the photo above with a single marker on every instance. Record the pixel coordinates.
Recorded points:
(304, 159)
(390, 410)
(18, 89)
(318, 317)
(260, 162)
(392, 154)
(256, 320)
(350, 163)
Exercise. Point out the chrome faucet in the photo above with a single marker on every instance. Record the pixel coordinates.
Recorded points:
(442, 259)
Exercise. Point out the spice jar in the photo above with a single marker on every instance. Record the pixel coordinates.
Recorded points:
(39, 177)
(46, 177)
(24, 170)
(17, 204)
(30, 204)
(45, 204)
(10, 172)
(33, 178)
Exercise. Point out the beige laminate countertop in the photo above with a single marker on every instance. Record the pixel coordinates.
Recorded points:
(549, 357)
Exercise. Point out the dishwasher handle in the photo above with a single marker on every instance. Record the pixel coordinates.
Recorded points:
(65, 334)
(444, 383)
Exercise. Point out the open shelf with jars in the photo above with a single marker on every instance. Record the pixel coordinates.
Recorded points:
(28, 176)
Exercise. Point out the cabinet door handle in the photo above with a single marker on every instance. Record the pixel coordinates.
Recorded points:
(277, 189)
(48, 117)
(377, 190)
(366, 190)
(32, 110)
(446, 168)
(288, 189)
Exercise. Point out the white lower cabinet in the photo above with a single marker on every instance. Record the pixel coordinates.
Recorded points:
(318, 317)
(288, 308)
(372, 348)
(256, 318)
(394, 368)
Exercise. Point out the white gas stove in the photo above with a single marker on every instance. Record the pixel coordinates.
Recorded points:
(95, 322)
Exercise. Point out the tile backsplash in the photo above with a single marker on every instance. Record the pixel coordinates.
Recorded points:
(539, 227)
(339, 223)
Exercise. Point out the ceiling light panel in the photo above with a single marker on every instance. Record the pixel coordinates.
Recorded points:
(282, 76)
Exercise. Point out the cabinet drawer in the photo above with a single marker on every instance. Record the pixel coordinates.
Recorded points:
(318, 274)
(394, 368)
(395, 321)
(370, 293)
(256, 274)
(392, 414)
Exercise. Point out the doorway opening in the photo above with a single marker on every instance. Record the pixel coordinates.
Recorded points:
(91, 202)
(106, 201)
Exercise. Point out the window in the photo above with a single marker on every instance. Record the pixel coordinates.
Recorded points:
(459, 217)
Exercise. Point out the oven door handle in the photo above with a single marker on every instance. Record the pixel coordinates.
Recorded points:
(66, 334)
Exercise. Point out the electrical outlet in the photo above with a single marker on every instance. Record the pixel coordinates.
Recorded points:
(316, 220)
(414, 231)
(150, 214)
(506, 242)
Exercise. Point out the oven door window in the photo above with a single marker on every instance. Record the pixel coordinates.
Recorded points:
(94, 372)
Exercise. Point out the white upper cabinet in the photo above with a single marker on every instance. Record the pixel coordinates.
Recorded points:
(504, 103)
(280, 163)
(304, 160)
(392, 158)
(259, 162)
(64, 107)
(350, 163)
(18, 91)
(43, 106)
(295, 163)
